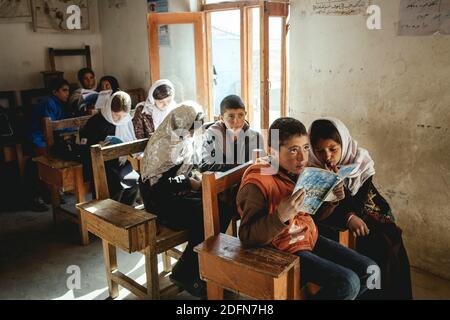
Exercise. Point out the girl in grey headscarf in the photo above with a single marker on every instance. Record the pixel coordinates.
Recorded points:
(170, 191)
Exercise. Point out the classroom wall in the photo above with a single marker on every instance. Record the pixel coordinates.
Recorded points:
(393, 93)
(24, 53)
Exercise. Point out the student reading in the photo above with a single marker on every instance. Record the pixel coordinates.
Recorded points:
(270, 217)
(364, 211)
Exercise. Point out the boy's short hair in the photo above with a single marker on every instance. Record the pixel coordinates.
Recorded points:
(82, 72)
(231, 102)
(287, 128)
(57, 84)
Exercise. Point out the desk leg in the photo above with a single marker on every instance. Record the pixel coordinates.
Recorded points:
(80, 194)
(110, 257)
(20, 160)
(56, 202)
(151, 263)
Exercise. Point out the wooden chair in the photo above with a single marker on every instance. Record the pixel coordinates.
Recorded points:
(63, 175)
(137, 96)
(121, 226)
(262, 273)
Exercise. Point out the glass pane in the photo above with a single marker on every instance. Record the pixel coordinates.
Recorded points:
(226, 55)
(255, 94)
(177, 59)
(275, 34)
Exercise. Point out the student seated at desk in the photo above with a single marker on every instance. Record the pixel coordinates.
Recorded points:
(51, 108)
(108, 83)
(150, 114)
(270, 216)
(86, 78)
(365, 212)
(113, 125)
(230, 141)
(170, 190)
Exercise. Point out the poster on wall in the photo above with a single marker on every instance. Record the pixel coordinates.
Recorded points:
(421, 18)
(15, 11)
(158, 6)
(339, 7)
(52, 15)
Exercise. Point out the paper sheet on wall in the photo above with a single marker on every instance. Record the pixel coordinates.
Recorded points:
(339, 7)
(424, 17)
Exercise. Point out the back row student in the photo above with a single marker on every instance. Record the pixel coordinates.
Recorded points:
(270, 216)
(230, 141)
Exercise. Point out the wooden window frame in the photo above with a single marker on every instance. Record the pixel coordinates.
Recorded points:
(268, 9)
(198, 21)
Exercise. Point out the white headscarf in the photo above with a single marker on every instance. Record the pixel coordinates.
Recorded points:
(171, 144)
(150, 107)
(124, 127)
(351, 154)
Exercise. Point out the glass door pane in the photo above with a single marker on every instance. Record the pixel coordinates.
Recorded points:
(177, 59)
(275, 68)
(255, 66)
(226, 55)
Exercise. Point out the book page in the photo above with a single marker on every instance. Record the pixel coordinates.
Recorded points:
(102, 99)
(317, 184)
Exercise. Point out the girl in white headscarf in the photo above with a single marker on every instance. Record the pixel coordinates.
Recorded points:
(113, 125)
(364, 211)
(170, 191)
(150, 114)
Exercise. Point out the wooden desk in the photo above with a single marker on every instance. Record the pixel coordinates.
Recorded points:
(121, 226)
(66, 176)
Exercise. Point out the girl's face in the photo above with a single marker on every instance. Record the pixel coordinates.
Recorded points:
(164, 103)
(117, 116)
(293, 155)
(329, 152)
(88, 81)
(105, 85)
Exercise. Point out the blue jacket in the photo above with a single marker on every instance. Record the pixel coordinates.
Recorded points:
(50, 108)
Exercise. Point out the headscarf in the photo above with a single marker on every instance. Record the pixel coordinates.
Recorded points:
(124, 127)
(150, 107)
(351, 154)
(171, 144)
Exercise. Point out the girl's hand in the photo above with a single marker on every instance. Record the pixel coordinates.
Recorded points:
(339, 192)
(288, 207)
(357, 226)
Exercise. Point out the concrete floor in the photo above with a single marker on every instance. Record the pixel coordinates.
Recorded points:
(35, 255)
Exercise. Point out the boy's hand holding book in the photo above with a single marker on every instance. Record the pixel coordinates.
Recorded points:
(289, 207)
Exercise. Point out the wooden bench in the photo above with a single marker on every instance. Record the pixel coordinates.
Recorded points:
(132, 230)
(63, 175)
(225, 263)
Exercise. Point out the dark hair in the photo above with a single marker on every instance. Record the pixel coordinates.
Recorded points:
(119, 104)
(83, 72)
(112, 81)
(287, 129)
(162, 92)
(57, 84)
(231, 102)
(323, 130)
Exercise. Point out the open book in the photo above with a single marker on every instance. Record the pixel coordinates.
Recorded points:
(110, 140)
(319, 184)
